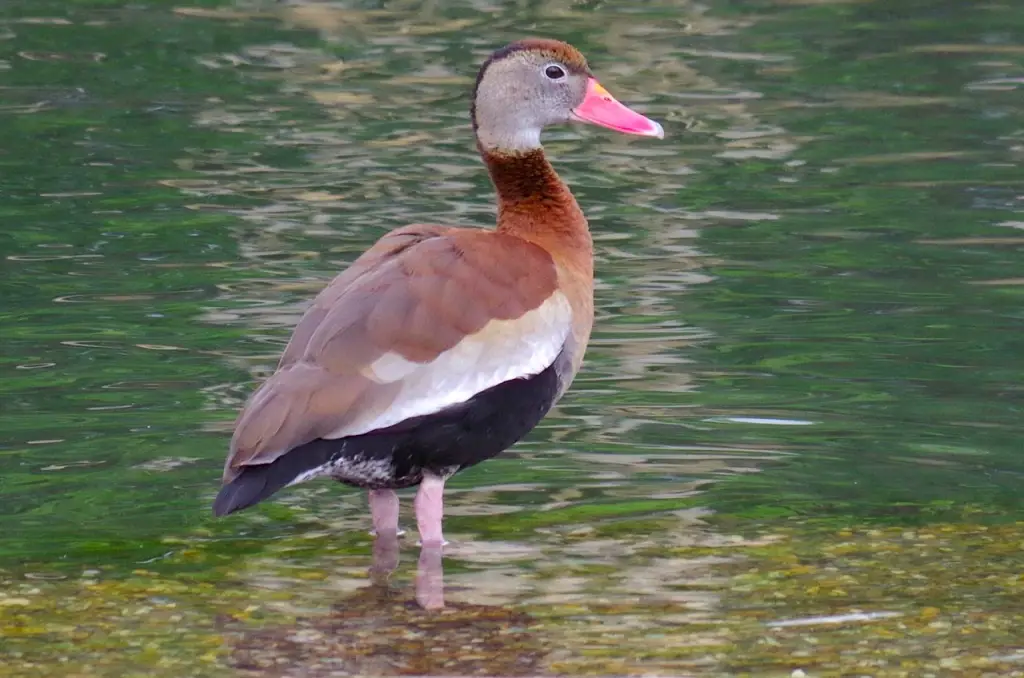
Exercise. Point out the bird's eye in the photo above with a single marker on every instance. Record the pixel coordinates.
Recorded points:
(554, 72)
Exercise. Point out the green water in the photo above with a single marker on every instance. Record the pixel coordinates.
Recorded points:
(803, 395)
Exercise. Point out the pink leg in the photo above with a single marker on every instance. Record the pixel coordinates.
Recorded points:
(429, 506)
(384, 511)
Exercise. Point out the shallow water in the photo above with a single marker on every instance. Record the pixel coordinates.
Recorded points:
(796, 441)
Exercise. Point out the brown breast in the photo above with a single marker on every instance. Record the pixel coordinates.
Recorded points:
(535, 204)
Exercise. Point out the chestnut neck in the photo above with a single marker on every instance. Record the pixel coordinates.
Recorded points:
(534, 203)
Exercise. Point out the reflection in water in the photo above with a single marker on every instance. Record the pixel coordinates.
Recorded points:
(379, 632)
(589, 590)
(430, 577)
(380, 629)
(386, 556)
(429, 570)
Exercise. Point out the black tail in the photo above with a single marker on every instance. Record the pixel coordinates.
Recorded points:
(256, 483)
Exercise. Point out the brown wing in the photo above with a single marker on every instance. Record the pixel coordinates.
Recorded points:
(425, 318)
(388, 247)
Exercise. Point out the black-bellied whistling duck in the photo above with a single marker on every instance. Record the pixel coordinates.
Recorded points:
(440, 347)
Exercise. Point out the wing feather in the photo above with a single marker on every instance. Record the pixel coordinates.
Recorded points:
(424, 320)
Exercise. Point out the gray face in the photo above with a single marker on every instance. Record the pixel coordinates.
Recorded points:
(520, 95)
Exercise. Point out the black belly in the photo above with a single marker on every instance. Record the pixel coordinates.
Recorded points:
(450, 440)
(442, 443)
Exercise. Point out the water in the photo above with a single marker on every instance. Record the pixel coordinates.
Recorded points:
(795, 443)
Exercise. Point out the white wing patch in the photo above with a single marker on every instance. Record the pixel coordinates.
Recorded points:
(390, 367)
(502, 350)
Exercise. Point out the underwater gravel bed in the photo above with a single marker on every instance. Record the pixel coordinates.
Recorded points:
(940, 600)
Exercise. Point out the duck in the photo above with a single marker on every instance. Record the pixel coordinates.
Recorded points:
(440, 347)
